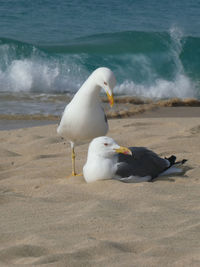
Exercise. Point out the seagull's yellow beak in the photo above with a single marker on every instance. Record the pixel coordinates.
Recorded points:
(124, 150)
(110, 96)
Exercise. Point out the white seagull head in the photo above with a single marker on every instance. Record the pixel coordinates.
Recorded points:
(106, 80)
(106, 147)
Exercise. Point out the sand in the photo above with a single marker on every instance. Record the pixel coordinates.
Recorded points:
(47, 219)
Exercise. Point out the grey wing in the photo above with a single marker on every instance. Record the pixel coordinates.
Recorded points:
(105, 117)
(142, 163)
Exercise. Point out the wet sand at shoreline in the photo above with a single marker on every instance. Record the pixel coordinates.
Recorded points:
(11, 122)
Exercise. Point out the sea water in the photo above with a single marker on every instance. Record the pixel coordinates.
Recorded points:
(48, 48)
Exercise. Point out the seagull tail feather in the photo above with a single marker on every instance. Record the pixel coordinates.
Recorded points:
(172, 161)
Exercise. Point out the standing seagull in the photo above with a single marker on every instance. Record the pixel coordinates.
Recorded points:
(83, 117)
(107, 160)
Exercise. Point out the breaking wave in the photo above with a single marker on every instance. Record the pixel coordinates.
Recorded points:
(148, 64)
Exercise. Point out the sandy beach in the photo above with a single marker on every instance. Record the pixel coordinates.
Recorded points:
(49, 219)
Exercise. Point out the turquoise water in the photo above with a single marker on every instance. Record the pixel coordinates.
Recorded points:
(50, 47)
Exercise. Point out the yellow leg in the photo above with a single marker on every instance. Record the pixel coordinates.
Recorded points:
(73, 162)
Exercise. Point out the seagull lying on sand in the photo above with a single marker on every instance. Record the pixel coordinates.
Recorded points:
(107, 160)
(83, 117)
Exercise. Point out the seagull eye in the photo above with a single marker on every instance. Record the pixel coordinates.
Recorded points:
(105, 144)
(105, 83)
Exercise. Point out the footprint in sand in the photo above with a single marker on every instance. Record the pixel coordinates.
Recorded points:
(195, 130)
(101, 247)
(48, 156)
(138, 124)
(25, 254)
(8, 153)
(50, 140)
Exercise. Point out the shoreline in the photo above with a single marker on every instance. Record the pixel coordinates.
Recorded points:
(11, 122)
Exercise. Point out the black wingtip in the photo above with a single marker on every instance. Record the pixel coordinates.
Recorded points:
(171, 160)
(183, 161)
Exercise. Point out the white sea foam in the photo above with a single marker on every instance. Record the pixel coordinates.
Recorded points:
(138, 74)
(30, 76)
(181, 87)
(39, 75)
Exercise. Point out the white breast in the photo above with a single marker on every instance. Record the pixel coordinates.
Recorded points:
(82, 124)
(98, 168)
